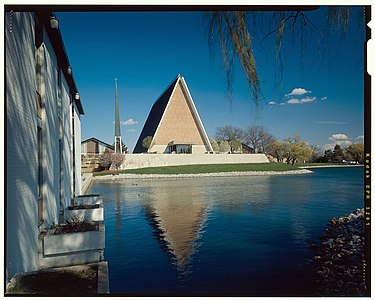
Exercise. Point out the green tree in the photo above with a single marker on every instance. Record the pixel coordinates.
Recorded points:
(328, 156)
(338, 154)
(296, 150)
(224, 147)
(235, 146)
(147, 142)
(277, 150)
(356, 152)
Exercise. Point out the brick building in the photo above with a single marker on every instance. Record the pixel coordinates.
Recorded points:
(174, 124)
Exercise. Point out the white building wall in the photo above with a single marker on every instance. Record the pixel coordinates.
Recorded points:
(51, 136)
(135, 161)
(159, 149)
(22, 159)
(199, 149)
(84, 149)
(22, 218)
(101, 149)
(66, 140)
(77, 148)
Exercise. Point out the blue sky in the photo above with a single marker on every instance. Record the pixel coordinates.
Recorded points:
(320, 99)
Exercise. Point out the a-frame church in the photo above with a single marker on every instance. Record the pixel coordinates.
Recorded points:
(174, 124)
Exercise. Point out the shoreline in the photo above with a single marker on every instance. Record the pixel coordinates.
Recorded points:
(339, 262)
(330, 166)
(199, 175)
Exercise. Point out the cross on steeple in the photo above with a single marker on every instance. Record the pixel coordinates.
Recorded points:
(118, 143)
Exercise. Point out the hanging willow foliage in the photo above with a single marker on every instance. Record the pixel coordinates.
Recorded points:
(228, 31)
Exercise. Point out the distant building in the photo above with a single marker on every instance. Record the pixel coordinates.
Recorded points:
(94, 147)
(245, 149)
(174, 124)
(43, 110)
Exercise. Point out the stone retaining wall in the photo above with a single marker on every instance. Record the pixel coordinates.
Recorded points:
(136, 161)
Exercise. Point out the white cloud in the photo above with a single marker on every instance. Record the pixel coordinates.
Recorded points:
(294, 101)
(308, 99)
(343, 145)
(129, 122)
(340, 139)
(331, 122)
(298, 92)
(130, 130)
(273, 103)
(339, 136)
(360, 138)
(300, 101)
(323, 98)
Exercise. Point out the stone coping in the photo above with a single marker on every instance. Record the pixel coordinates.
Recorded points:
(198, 175)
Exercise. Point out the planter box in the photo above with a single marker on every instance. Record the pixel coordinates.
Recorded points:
(88, 199)
(74, 248)
(88, 214)
(67, 243)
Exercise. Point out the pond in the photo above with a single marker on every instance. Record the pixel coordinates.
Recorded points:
(232, 236)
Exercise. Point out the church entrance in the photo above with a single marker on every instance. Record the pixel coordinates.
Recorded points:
(180, 148)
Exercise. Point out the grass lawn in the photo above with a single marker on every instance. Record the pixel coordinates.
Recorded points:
(196, 169)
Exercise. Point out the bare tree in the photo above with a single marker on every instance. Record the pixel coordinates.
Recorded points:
(258, 138)
(229, 133)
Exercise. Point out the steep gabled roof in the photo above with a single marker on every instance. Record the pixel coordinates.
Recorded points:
(154, 117)
(158, 110)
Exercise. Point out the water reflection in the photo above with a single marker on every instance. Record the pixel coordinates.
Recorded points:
(177, 216)
(237, 236)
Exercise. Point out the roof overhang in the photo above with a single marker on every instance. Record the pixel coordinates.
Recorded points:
(62, 57)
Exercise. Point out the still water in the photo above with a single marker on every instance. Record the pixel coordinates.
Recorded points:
(221, 236)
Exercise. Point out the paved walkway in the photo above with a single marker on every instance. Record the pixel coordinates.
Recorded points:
(86, 179)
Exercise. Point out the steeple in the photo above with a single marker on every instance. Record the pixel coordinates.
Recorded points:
(118, 144)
